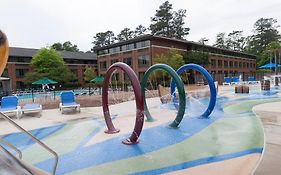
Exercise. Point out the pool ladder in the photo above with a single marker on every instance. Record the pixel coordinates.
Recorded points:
(31, 137)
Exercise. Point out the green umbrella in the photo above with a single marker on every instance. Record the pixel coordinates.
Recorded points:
(97, 79)
(45, 80)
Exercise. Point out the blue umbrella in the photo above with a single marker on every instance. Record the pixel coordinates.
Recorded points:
(269, 66)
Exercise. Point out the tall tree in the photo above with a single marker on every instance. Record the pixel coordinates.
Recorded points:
(220, 41)
(203, 40)
(67, 46)
(265, 31)
(140, 30)
(49, 63)
(125, 34)
(267, 56)
(57, 46)
(162, 21)
(178, 24)
(236, 41)
(169, 23)
(103, 38)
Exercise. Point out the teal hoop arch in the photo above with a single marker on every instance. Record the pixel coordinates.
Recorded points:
(179, 85)
(205, 73)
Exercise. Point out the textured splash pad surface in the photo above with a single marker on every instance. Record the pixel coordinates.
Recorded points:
(231, 141)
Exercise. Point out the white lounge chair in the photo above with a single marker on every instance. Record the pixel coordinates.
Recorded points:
(68, 101)
(9, 104)
(32, 108)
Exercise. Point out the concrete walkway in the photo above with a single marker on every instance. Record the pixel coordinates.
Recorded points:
(270, 115)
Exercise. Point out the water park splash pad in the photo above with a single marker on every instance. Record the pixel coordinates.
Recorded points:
(227, 138)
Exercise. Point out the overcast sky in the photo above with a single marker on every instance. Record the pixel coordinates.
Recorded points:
(40, 23)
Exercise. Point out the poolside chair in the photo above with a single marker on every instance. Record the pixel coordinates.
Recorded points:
(227, 81)
(252, 80)
(235, 80)
(9, 104)
(68, 101)
(32, 108)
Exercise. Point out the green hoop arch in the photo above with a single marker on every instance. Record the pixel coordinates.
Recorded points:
(179, 85)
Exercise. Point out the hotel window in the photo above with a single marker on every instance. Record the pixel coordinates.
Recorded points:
(231, 64)
(143, 61)
(213, 63)
(20, 59)
(19, 85)
(103, 65)
(75, 72)
(244, 65)
(225, 64)
(114, 61)
(114, 50)
(21, 72)
(102, 52)
(115, 77)
(236, 64)
(219, 63)
(128, 61)
(126, 77)
(254, 65)
(128, 47)
(143, 44)
(240, 65)
(247, 65)
(141, 74)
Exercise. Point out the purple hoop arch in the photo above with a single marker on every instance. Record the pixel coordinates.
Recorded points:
(133, 139)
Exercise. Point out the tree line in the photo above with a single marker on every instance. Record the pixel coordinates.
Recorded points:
(265, 37)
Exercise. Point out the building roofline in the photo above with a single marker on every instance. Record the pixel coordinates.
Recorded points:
(29, 52)
(149, 36)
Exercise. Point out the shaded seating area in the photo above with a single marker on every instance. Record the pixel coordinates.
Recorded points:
(9, 104)
(68, 101)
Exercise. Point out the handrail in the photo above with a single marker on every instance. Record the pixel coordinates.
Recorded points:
(11, 146)
(34, 139)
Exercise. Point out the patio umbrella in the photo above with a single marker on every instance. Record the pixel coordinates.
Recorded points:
(269, 66)
(45, 80)
(97, 79)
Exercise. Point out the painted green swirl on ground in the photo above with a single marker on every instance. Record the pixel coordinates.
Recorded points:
(226, 135)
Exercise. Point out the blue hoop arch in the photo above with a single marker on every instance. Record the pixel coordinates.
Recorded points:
(205, 73)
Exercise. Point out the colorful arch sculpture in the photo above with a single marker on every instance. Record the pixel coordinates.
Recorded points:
(133, 139)
(179, 85)
(205, 73)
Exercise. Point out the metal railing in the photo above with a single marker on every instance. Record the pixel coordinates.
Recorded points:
(34, 139)
(11, 146)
